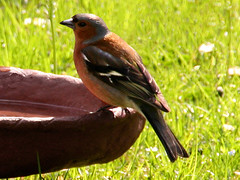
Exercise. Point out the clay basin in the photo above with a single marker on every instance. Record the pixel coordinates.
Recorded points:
(55, 119)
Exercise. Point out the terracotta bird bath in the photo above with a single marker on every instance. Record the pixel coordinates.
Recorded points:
(55, 119)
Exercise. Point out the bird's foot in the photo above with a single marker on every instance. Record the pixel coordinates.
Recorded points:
(126, 110)
(105, 108)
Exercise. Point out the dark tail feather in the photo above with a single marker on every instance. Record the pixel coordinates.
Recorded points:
(168, 139)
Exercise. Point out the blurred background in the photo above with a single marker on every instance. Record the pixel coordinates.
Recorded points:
(191, 48)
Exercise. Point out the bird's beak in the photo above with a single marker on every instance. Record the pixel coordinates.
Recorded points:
(68, 23)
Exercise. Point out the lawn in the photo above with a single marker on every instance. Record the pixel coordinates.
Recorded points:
(170, 37)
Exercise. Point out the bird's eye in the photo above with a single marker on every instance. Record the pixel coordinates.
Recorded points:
(82, 24)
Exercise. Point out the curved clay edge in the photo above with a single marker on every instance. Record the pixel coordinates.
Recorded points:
(114, 138)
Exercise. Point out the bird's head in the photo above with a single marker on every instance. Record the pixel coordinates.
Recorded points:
(88, 28)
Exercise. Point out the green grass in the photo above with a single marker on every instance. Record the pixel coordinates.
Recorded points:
(167, 34)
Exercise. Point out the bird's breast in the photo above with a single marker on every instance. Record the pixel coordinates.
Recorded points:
(100, 89)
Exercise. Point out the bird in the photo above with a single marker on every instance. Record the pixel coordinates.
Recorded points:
(114, 72)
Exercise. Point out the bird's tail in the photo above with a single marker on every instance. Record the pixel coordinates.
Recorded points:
(168, 139)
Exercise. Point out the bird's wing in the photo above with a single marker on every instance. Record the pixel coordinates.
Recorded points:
(133, 80)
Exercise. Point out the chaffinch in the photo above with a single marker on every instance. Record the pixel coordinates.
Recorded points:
(113, 71)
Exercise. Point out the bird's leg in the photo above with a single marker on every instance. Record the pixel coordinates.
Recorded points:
(105, 108)
(124, 110)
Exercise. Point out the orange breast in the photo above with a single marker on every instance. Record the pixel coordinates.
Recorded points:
(103, 91)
